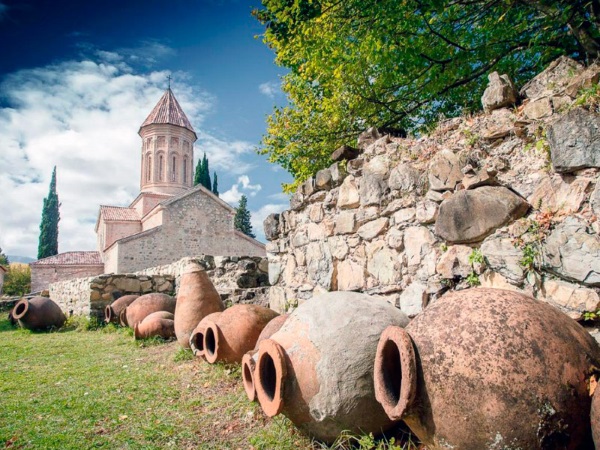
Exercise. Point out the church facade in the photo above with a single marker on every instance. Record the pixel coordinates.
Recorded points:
(170, 218)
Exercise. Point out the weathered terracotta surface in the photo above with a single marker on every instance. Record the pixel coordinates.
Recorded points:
(197, 298)
(154, 326)
(197, 335)
(318, 368)
(112, 311)
(159, 315)
(595, 416)
(146, 305)
(249, 359)
(234, 332)
(38, 313)
(488, 368)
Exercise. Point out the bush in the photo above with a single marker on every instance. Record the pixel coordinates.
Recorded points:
(17, 280)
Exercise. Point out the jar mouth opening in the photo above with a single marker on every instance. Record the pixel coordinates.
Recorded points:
(269, 377)
(248, 367)
(21, 309)
(210, 342)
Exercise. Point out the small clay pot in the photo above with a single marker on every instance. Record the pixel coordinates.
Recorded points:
(197, 335)
(147, 304)
(38, 313)
(196, 299)
(112, 311)
(235, 332)
(154, 326)
(249, 359)
(489, 368)
(318, 368)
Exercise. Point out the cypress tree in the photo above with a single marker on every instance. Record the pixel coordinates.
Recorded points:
(242, 218)
(198, 173)
(48, 243)
(215, 186)
(205, 180)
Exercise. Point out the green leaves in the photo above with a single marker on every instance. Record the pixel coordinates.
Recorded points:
(48, 241)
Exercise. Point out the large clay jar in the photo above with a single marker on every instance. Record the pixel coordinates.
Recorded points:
(196, 299)
(197, 335)
(488, 368)
(159, 323)
(145, 305)
(595, 416)
(38, 313)
(249, 359)
(112, 311)
(234, 332)
(318, 368)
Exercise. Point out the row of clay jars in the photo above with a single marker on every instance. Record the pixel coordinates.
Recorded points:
(488, 368)
(196, 299)
(113, 311)
(228, 336)
(318, 368)
(145, 305)
(160, 323)
(249, 359)
(38, 313)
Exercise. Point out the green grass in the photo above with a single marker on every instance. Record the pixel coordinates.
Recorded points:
(93, 387)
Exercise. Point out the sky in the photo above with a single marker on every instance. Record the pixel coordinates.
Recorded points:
(78, 78)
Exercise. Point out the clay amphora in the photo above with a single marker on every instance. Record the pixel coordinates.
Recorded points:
(146, 305)
(38, 313)
(318, 368)
(159, 315)
(249, 359)
(196, 299)
(489, 368)
(112, 311)
(595, 416)
(154, 326)
(234, 332)
(197, 335)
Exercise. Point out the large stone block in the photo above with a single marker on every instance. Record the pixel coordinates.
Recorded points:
(271, 227)
(350, 276)
(348, 196)
(560, 194)
(575, 141)
(499, 93)
(556, 77)
(373, 229)
(404, 177)
(320, 264)
(445, 171)
(570, 298)
(470, 216)
(504, 258)
(455, 262)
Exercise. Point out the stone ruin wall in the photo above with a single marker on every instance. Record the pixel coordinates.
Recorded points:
(509, 199)
(237, 279)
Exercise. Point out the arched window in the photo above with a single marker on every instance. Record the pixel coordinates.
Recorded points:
(149, 168)
(184, 170)
(160, 168)
(173, 170)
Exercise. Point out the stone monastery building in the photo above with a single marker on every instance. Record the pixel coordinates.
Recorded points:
(168, 220)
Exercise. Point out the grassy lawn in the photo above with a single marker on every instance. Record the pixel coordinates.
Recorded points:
(77, 389)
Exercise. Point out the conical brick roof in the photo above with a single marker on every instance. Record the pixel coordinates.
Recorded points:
(168, 110)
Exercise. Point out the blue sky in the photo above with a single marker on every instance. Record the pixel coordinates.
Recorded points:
(77, 78)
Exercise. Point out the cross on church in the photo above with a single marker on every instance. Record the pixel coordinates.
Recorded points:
(169, 78)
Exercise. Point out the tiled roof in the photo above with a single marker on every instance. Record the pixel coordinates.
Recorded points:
(119, 213)
(167, 110)
(70, 258)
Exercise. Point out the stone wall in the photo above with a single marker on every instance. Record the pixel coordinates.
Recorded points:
(237, 279)
(507, 199)
(42, 276)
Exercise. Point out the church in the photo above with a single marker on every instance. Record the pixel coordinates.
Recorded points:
(169, 219)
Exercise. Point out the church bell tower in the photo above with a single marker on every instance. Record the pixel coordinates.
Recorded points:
(167, 148)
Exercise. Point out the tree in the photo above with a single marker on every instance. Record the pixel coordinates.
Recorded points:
(205, 176)
(3, 258)
(403, 64)
(242, 218)
(17, 280)
(48, 242)
(215, 186)
(198, 172)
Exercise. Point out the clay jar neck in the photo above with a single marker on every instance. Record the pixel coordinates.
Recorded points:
(21, 309)
(197, 344)
(123, 318)
(108, 314)
(212, 342)
(270, 377)
(248, 366)
(395, 372)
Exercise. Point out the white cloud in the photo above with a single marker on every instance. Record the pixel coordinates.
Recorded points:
(258, 217)
(242, 187)
(270, 88)
(223, 154)
(83, 117)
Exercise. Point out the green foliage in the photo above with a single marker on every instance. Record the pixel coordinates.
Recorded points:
(202, 175)
(82, 323)
(48, 242)
(183, 354)
(17, 281)
(476, 257)
(215, 186)
(198, 172)
(403, 64)
(3, 258)
(591, 315)
(242, 218)
(530, 254)
(473, 279)
(588, 98)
